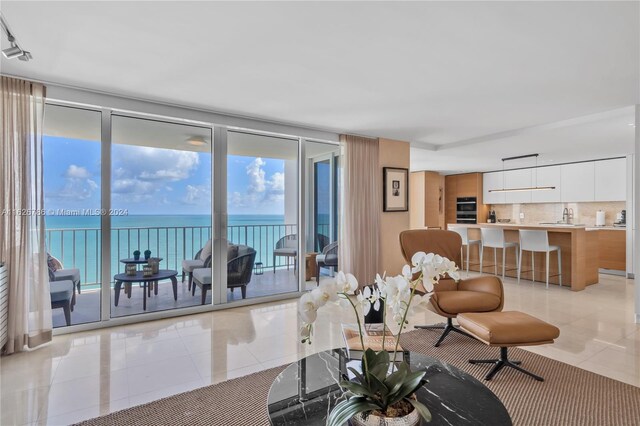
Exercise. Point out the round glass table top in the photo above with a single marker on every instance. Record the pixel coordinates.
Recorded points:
(306, 391)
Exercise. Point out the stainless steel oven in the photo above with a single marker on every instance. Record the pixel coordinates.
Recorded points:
(467, 210)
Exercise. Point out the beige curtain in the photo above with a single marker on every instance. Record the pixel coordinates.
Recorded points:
(361, 206)
(22, 233)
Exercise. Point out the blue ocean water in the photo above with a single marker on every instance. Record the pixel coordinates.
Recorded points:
(75, 240)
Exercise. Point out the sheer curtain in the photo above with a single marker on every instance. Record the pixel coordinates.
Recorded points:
(22, 232)
(361, 205)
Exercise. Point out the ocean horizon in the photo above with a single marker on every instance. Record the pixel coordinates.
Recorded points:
(75, 240)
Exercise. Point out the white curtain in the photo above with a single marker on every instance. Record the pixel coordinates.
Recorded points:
(22, 230)
(361, 205)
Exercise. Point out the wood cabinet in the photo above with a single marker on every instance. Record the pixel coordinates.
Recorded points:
(464, 185)
(612, 249)
(426, 208)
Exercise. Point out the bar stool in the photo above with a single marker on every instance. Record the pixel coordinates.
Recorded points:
(464, 233)
(494, 238)
(538, 242)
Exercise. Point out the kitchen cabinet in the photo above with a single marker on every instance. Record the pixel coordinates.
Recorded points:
(612, 249)
(464, 185)
(517, 179)
(493, 180)
(578, 182)
(546, 176)
(610, 180)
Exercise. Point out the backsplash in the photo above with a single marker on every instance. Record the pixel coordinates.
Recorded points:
(583, 213)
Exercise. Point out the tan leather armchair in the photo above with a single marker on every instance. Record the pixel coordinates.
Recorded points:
(481, 294)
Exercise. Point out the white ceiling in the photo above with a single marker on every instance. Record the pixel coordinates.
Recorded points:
(431, 73)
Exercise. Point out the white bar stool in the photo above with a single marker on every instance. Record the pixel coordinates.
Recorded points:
(538, 242)
(464, 233)
(494, 238)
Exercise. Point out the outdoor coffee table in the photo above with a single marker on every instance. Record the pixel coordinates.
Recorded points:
(141, 261)
(306, 391)
(147, 283)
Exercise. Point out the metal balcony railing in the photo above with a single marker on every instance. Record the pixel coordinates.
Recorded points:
(81, 247)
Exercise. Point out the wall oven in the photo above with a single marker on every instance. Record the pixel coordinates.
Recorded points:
(467, 210)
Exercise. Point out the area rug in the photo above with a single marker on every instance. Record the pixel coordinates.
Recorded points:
(568, 396)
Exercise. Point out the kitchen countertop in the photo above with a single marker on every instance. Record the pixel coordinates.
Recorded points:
(538, 226)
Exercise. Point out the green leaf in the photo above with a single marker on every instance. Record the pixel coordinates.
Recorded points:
(357, 388)
(347, 409)
(411, 383)
(378, 386)
(397, 379)
(422, 409)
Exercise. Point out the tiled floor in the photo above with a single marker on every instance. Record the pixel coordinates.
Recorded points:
(87, 374)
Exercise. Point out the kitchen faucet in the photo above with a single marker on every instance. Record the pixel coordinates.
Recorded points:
(567, 216)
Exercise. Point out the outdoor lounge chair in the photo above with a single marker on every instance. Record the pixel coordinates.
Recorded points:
(188, 266)
(62, 274)
(239, 270)
(62, 296)
(328, 259)
(286, 246)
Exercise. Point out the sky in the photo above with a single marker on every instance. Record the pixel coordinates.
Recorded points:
(149, 180)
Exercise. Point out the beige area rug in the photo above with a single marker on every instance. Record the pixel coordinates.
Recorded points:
(568, 396)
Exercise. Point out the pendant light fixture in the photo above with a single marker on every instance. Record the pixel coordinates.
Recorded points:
(521, 189)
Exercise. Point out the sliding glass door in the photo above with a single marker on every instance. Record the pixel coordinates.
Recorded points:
(262, 208)
(322, 195)
(161, 215)
(71, 175)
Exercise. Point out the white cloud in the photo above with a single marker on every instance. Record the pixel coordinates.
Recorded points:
(77, 172)
(155, 164)
(200, 194)
(260, 190)
(256, 176)
(131, 186)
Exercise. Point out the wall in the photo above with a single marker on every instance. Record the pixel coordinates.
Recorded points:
(583, 213)
(392, 154)
(416, 200)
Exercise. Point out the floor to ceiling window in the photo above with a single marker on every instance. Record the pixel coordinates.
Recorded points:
(71, 175)
(130, 194)
(262, 209)
(161, 203)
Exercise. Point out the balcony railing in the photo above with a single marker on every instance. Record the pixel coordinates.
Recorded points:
(80, 248)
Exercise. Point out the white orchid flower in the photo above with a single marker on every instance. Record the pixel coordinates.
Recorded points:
(347, 283)
(307, 309)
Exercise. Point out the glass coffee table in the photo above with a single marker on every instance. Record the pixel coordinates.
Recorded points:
(306, 391)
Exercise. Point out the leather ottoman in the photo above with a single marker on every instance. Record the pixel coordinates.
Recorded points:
(505, 329)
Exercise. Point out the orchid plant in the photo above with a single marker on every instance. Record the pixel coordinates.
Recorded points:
(376, 390)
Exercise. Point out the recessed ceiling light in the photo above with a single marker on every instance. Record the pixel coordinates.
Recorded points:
(197, 141)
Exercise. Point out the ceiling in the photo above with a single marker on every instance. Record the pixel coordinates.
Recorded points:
(432, 73)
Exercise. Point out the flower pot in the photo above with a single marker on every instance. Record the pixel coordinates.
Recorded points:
(411, 419)
(136, 256)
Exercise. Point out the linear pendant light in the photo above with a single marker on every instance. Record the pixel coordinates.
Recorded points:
(522, 189)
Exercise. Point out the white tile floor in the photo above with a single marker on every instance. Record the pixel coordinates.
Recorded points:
(84, 375)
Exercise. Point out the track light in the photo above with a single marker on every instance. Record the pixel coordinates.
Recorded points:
(12, 52)
(25, 56)
(15, 51)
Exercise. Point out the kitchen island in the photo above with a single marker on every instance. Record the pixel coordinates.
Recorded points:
(579, 254)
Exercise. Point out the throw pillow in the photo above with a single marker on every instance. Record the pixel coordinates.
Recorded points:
(206, 251)
(232, 251)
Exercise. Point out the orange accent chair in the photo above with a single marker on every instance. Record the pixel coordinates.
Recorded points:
(481, 294)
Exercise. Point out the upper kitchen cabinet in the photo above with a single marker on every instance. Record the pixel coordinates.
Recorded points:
(578, 182)
(490, 181)
(546, 176)
(517, 179)
(610, 180)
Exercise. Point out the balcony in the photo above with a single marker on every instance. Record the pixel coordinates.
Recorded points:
(80, 248)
